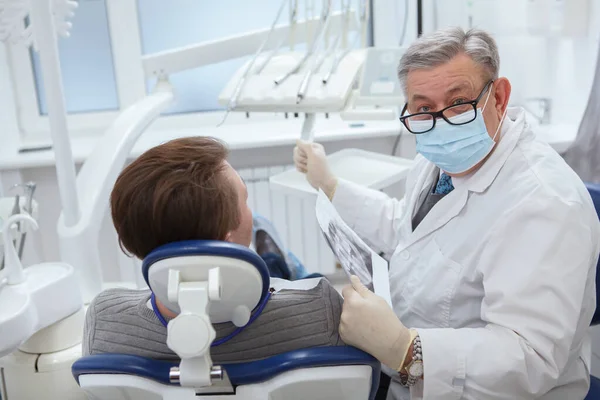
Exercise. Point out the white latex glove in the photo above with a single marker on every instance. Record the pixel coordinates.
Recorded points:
(310, 158)
(369, 323)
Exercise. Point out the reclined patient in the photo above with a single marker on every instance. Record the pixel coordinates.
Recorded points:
(186, 190)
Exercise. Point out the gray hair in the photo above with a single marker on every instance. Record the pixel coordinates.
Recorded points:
(442, 46)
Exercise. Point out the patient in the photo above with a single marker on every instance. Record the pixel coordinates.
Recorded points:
(186, 190)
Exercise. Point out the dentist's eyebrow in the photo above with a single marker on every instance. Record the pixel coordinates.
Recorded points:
(459, 88)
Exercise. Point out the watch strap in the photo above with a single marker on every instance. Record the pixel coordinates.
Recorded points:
(406, 378)
(413, 335)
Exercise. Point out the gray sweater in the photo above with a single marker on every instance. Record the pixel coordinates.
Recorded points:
(120, 321)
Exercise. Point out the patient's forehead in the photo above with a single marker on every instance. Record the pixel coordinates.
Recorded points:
(235, 178)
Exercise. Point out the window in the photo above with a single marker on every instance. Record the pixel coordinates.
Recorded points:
(86, 62)
(547, 48)
(101, 61)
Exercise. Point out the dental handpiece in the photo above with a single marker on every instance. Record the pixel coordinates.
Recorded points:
(306, 80)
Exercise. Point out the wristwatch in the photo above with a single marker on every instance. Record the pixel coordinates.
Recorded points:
(414, 370)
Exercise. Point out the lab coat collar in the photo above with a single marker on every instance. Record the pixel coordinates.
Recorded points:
(513, 127)
(451, 205)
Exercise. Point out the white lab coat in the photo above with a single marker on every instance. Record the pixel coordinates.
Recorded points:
(498, 278)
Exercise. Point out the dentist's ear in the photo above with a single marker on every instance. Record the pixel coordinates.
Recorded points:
(502, 90)
(228, 237)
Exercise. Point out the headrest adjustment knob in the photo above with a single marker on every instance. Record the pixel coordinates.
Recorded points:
(241, 316)
(190, 335)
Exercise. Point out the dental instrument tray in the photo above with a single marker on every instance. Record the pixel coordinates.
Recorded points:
(364, 168)
(261, 93)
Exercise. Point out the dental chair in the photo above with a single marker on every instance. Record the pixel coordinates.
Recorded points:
(208, 282)
(594, 392)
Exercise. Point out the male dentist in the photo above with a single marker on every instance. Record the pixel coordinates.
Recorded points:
(492, 251)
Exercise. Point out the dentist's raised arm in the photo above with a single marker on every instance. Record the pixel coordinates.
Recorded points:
(373, 215)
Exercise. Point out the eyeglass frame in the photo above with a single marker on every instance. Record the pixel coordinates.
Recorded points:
(437, 114)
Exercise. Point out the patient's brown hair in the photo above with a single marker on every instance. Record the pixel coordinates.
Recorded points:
(175, 191)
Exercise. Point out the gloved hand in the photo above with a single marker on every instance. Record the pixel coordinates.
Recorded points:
(369, 323)
(310, 159)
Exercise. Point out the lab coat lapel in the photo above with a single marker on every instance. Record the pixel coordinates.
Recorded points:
(446, 209)
(425, 180)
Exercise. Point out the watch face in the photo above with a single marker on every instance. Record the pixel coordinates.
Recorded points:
(416, 369)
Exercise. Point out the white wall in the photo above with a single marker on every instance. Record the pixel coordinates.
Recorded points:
(559, 68)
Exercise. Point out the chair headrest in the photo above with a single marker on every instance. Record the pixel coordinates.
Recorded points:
(244, 274)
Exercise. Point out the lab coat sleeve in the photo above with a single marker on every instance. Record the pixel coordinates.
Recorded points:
(373, 215)
(535, 265)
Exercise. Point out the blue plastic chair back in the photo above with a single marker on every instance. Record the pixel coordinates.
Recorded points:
(594, 392)
(594, 190)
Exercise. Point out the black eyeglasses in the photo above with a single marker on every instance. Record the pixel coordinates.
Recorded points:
(425, 121)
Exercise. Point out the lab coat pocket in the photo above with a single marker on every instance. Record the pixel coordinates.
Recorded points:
(433, 285)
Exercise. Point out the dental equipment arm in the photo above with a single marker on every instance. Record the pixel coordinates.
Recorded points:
(95, 181)
(43, 19)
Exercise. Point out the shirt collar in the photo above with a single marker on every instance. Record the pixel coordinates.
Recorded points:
(513, 126)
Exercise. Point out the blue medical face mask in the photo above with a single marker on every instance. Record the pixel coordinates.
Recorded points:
(457, 148)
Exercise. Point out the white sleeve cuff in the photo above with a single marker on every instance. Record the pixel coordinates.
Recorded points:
(444, 364)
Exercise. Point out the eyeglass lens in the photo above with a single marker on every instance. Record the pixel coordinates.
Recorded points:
(456, 115)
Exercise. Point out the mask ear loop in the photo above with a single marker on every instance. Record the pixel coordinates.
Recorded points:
(503, 115)
(487, 98)
(500, 124)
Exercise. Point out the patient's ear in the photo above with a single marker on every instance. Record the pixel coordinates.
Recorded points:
(228, 237)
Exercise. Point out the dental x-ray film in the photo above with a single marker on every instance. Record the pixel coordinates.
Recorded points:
(353, 254)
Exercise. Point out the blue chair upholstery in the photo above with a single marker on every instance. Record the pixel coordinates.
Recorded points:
(594, 392)
(239, 374)
(594, 190)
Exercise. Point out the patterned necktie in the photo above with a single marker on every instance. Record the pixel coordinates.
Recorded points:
(444, 185)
